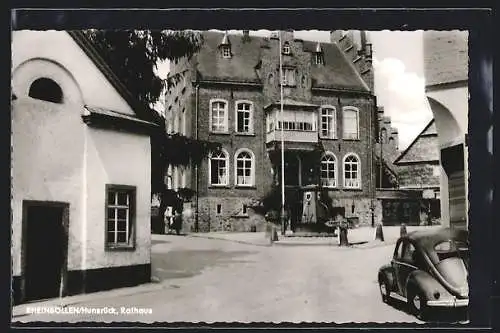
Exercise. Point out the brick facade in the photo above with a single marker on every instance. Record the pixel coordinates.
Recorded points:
(252, 74)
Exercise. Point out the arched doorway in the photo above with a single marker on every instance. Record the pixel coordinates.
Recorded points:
(292, 169)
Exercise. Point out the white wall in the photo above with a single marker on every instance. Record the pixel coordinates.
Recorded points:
(58, 46)
(56, 157)
(118, 159)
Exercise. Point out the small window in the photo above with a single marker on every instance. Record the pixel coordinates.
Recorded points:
(328, 170)
(352, 172)
(351, 123)
(288, 77)
(409, 254)
(244, 209)
(244, 164)
(120, 217)
(46, 90)
(218, 168)
(328, 123)
(219, 116)
(318, 58)
(226, 52)
(244, 115)
(219, 208)
(286, 48)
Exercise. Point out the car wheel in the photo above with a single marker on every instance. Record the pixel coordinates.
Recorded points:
(417, 302)
(384, 290)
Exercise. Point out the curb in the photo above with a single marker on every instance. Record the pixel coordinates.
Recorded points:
(227, 240)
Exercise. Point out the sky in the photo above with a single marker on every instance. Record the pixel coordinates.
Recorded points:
(399, 77)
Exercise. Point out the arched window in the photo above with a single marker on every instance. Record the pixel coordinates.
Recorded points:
(218, 168)
(352, 171)
(383, 135)
(218, 115)
(328, 123)
(46, 90)
(244, 168)
(286, 48)
(244, 117)
(351, 123)
(329, 170)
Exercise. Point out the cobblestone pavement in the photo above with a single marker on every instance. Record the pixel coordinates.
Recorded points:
(206, 280)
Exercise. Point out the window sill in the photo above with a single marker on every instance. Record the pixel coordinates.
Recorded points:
(220, 133)
(329, 187)
(240, 216)
(244, 187)
(120, 248)
(244, 134)
(327, 138)
(350, 139)
(353, 189)
(218, 186)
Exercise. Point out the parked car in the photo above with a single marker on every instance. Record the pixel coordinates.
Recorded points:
(429, 269)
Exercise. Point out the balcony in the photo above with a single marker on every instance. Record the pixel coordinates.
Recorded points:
(292, 136)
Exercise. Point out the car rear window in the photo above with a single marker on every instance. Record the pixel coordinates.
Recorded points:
(452, 249)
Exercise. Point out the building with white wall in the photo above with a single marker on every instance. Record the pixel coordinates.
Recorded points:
(81, 171)
(446, 75)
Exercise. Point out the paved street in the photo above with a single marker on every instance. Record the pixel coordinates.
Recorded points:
(215, 280)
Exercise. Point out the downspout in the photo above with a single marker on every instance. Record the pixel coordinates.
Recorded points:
(196, 221)
(372, 160)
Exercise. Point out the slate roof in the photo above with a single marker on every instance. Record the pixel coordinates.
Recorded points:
(239, 68)
(428, 131)
(336, 73)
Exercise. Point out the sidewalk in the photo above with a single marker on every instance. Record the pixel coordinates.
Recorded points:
(362, 237)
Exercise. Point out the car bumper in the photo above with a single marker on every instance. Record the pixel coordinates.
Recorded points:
(452, 303)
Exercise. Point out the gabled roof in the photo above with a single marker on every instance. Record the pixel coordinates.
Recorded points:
(143, 112)
(239, 68)
(337, 72)
(428, 131)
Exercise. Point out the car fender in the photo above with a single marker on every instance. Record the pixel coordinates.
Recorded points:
(387, 272)
(427, 284)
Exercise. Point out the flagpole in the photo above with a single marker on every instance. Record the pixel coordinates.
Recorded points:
(282, 142)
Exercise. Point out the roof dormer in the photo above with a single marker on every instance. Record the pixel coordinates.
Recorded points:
(225, 46)
(318, 55)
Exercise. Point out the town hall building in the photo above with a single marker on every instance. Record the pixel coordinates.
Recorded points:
(230, 94)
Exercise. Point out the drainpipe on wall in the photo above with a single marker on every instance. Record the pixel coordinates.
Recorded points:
(372, 163)
(196, 220)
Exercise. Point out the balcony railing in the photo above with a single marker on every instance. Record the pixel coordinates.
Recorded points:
(292, 136)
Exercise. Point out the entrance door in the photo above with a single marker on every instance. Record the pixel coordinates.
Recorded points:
(292, 170)
(45, 250)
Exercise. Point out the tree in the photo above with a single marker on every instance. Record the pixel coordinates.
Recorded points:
(134, 56)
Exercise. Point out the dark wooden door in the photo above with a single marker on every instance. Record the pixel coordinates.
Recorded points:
(45, 251)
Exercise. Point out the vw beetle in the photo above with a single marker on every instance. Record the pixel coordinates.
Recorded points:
(429, 269)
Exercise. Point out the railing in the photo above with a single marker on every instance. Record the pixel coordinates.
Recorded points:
(292, 136)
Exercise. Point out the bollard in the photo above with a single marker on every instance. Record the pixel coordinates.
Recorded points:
(402, 231)
(343, 235)
(274, 235)
(379, 233)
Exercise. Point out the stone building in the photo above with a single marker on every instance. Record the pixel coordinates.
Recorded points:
(230, 93)
(446, 73)
(81, 184)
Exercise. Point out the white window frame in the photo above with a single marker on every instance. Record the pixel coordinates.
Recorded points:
(284, 77)
(226, 51)
(226, 159)
(225, 118)
(130, 221)
(325, 182)
(346, 109)
(333, 131)
(250, 118)
(286, 48)
(358, 170)
(252, 168)
(318, 58)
